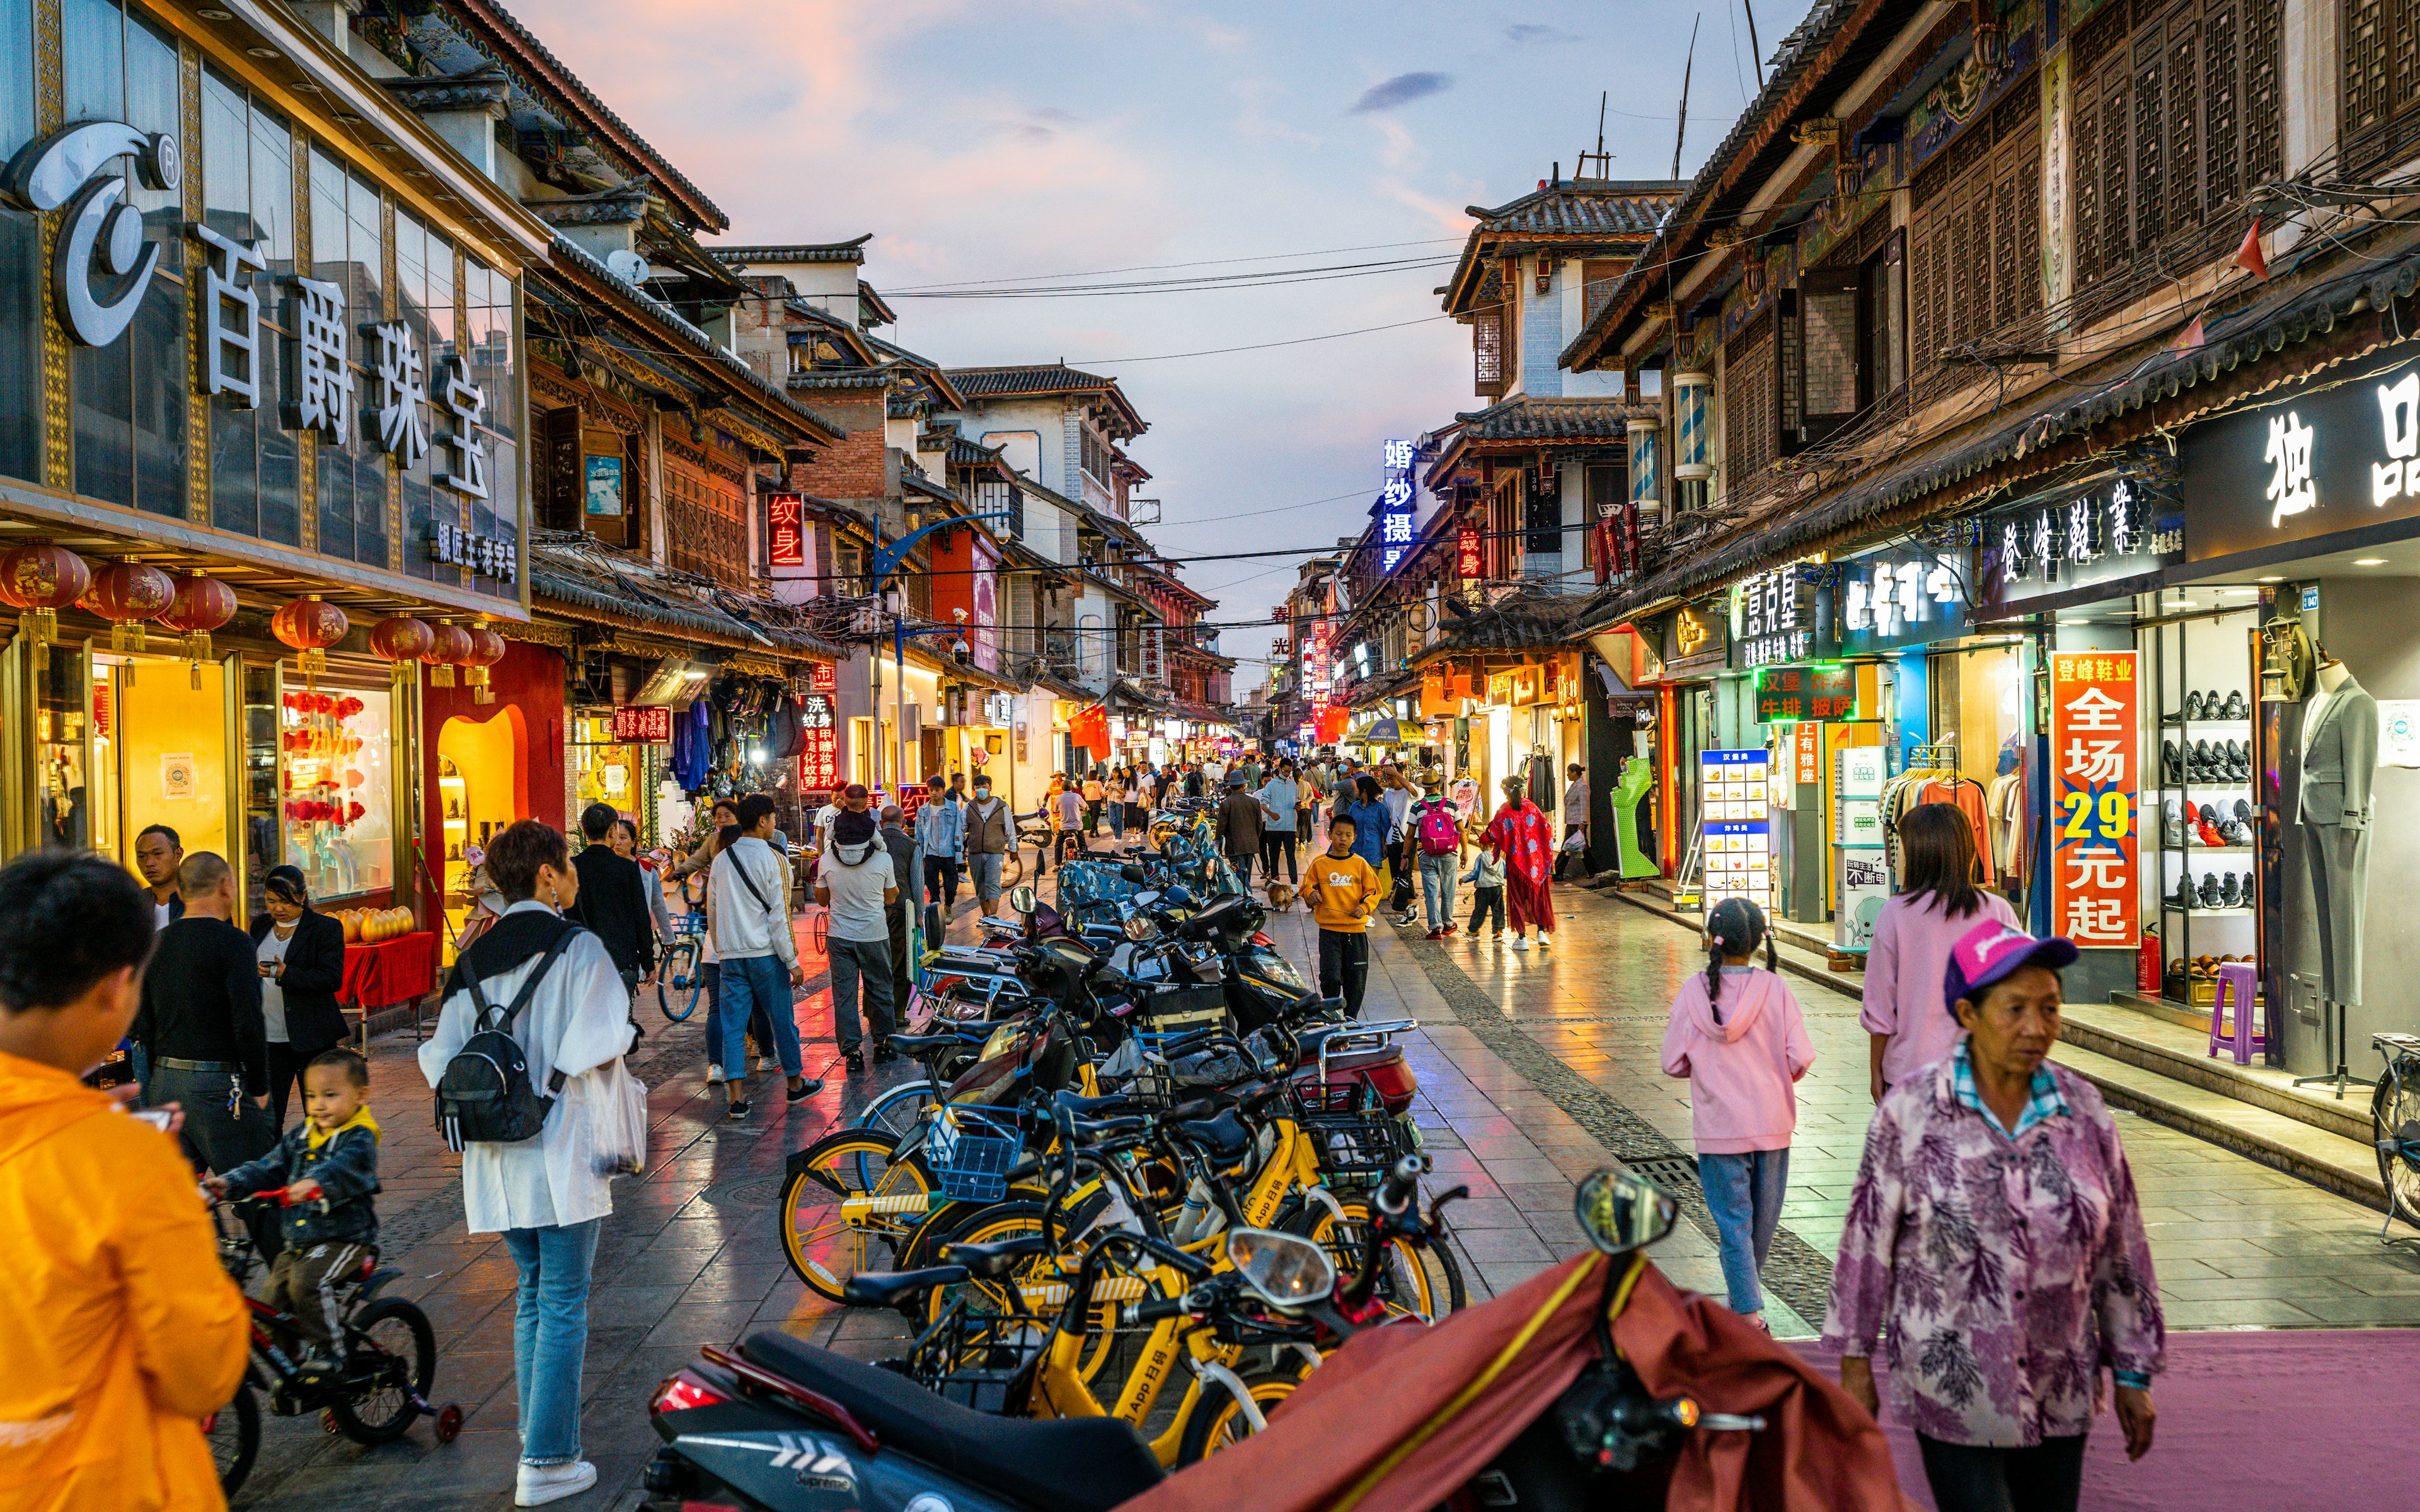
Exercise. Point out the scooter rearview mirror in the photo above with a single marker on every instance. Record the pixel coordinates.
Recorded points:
(1284, 1269)
(1621, 1211)
(1022, 897)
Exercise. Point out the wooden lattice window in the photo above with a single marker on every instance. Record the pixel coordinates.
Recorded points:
(1487, 353)
(705, 512)
(1752, 406)
(1975, 236)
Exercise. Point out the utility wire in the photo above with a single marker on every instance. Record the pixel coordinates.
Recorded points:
(1208, 283)
(1208, 262)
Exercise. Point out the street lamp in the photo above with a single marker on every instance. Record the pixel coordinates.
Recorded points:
(886, 566)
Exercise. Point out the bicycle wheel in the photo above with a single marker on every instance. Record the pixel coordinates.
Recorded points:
(392, 1351)
(234, 1433)
(1012, 869)
(819, 933)
(679, 982)
(848, 1206)
(2394, 1117)
(1218, 1419)
(1420, 1281)
(898, 1110)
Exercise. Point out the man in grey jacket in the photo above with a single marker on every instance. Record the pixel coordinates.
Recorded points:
(990, 836)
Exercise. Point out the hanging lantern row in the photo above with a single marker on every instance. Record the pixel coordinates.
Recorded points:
(310, 625)
(126, 593)
(39, 579)
(401, 641)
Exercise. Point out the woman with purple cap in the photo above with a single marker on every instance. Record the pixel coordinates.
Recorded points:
(1995, 1231)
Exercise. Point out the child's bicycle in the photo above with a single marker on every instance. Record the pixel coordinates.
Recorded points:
(680, 976)
(390, 1360)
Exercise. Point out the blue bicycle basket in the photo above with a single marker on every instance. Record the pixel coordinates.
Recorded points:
(1083, 882)
(971, 1150)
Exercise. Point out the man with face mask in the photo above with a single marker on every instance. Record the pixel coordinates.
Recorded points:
(856, 884)
(990, 834)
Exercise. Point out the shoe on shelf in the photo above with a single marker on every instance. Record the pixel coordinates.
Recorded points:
(2172, 825)
(2193, 707)
(2184, 897)
(537, 1485)
(2235, 707)
(2172, 771)
(2211, 891)
(2204, 761)
(2230, 893)
(2243, 811)
(1520, 942)
(713, 1075)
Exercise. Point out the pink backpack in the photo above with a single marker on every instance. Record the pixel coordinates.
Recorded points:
(1440, 835)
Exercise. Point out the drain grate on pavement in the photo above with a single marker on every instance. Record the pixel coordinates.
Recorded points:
(762, 1192)
(1795, 1271)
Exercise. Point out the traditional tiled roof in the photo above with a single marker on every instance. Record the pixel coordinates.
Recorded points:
(1616, 208)
(1527, 419)
(852, 251)
(871, 308)
(966, 453)
(843, 378)
(1524, 622)
(913, 482)
(1039, 378)
(576, 575)
(449, 46)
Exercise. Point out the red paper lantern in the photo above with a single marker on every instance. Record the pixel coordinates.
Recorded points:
(310, 625)
(126, 593)
(42, 581)
(486, 649)
(448, 645)
(200, 606)
(402, 640)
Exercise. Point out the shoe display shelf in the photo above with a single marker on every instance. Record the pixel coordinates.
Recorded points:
(2201, 758)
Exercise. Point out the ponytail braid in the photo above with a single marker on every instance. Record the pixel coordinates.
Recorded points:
(1734, 928)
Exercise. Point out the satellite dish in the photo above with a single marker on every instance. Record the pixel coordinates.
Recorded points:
(628, 266)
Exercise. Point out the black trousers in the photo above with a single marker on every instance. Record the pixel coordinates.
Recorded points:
(1489, 899)
(1242, 862)
(285, 1071)
(1274, 841)
(898, 922)
(2048, 1477)
(1344, 966)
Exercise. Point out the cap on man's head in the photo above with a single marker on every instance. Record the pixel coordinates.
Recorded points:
(1992, 951)
(853, 829)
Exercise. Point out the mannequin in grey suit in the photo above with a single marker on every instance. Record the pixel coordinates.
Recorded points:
(2339, 765)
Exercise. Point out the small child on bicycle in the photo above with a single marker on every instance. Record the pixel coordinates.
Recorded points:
(328, 1164)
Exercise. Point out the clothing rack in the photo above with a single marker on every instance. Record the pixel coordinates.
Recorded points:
(1933, 763)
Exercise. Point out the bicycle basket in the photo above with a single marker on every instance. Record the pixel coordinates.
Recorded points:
(970, 1150)
(1358, 1149)
(1082, 883)
(973, 1360)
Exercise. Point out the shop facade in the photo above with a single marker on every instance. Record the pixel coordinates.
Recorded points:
(262, 467)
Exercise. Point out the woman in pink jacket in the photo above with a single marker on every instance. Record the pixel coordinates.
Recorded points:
(1738, 1035)
(1912, 939)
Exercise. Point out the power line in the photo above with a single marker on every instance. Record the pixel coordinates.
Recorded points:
(1265, 346)
(1206, 284)
(1207, 262)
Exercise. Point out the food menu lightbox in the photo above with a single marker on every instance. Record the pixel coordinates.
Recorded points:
(1735, 812)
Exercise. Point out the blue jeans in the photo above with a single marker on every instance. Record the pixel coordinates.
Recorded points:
(748, 983)
(759, 1023)
(868, 961)
(550, 1335)
(1437, 876)
(1744, 1194)
(1117, 819)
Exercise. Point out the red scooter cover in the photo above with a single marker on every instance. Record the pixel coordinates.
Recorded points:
(1818, 1452)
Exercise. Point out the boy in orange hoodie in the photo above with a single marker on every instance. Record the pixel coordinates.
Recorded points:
(1343, 893)
(121, 1329)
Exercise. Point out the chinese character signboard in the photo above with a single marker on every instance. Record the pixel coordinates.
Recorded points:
(818, 758)
(1467, 562)
(786, 531)
(2119, 528)
(1393, 510)
(2095, 844)
(2330, 456)
(642, 721)
(823, 677)
(1806, 693)
(1773, 616)
(1739, 860)
(1910, 597)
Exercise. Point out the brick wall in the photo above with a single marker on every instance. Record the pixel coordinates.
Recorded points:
(853, 467)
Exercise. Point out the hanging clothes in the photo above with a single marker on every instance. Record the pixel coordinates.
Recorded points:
(1966, 795)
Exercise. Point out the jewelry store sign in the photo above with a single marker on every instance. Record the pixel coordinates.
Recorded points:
(2327, 456)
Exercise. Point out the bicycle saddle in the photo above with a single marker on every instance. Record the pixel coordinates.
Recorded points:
(1085, 1108)
(1225, 1138)
(921, 1045)
(995, 1260)
(888, 1288)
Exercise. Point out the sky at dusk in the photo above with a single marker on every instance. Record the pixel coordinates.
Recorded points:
(1015, 138)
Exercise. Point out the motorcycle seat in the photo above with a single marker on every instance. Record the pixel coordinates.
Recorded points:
(918, 1045)
(1078, 1464)
(997, 1259)
(1224, 1138)
(1377, 1055)
(888, 1288)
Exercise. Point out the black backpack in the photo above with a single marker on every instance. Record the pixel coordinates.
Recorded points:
(484, 1096)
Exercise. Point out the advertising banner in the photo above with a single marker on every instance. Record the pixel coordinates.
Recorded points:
(2095, 844)
(1738, 844)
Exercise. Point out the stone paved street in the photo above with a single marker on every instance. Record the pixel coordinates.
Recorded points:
(1535, 1069)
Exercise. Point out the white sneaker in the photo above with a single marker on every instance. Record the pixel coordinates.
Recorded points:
(1520, 942)
(540, 1484)
(764, 1063)
(713, 1075)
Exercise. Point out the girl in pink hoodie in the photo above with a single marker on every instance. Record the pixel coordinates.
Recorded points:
(1738, 1035)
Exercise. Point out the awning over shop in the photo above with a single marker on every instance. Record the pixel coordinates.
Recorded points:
(575, 575)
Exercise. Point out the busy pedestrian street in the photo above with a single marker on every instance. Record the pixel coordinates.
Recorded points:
(1535, 1069)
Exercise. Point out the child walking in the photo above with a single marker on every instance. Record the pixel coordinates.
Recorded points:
(1738, 1035)
(328, 1166)
(1486, 877)
(1343, 893)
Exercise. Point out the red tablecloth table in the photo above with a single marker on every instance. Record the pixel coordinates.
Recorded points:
(386, 972)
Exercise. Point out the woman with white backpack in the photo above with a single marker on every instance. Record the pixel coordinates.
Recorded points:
(537, 1161)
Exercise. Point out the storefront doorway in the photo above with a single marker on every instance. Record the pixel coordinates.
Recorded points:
(480, 768)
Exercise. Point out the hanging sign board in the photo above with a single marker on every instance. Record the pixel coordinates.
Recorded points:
(2095, 847)
(1806, 693)
(2324, 457)
(642, 721)
(2118, 529)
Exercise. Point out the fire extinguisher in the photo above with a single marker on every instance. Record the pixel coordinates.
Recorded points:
(2146, 961)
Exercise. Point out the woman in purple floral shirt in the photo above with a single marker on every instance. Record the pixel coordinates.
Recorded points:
(1995, 1230)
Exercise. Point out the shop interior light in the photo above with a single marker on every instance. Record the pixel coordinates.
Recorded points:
(2075, 622)
(2369, 562)
(2274, 578)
